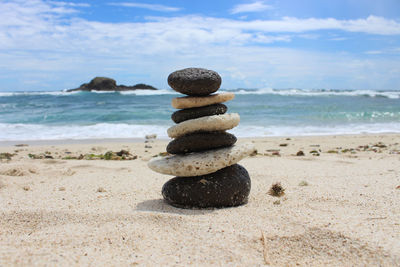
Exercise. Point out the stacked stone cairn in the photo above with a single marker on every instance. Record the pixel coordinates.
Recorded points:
(204, 156)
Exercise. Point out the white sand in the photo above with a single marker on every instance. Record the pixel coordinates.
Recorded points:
(52, 213)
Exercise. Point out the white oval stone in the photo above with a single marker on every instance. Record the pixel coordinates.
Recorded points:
(200, 101)
(201, 163)
(209, 123)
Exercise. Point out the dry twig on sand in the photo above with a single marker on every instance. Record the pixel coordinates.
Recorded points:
(265, 249)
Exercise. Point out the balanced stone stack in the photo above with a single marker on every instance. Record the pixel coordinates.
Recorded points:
(204, 155)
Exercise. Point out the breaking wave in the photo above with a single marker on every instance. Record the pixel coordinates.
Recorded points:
(20, 132)
(318, 92)
(393, 94)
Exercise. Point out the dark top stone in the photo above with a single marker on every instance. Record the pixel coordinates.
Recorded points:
(227, 187)
(194, 113)
(108, 84)
(200, 141)
(195, 81)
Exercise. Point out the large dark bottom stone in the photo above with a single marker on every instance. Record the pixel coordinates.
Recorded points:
(227, 187)
(200, 141)
(194, 113)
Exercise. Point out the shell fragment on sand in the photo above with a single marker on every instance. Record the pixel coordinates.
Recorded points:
(193, 102)
(201, 163)
(209, 123)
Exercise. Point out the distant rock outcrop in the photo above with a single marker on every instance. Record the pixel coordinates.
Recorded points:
(108, 84)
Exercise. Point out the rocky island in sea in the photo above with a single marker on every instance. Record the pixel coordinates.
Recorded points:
(108, 84)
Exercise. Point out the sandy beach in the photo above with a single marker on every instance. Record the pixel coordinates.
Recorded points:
(69, 204)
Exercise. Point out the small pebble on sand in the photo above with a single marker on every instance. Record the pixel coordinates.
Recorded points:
(151, 136)
(303, 183)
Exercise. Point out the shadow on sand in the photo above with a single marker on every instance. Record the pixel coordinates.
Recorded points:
(159, 205)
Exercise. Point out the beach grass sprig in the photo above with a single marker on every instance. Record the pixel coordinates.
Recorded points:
(6, 156)
(276, 190)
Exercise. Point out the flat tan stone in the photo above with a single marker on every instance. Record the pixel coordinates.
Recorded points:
(200, 101)
(195, 164)
(209, 123)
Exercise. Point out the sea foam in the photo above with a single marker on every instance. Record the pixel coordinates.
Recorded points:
(53, 93)
(96, 131)
(307, 130)
(20, 132)
(393, 94)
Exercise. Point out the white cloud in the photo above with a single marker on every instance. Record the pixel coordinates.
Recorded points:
(267, 39)
(153, 7)
(338, 39)
(387, 51)
(44, 41)
(374, 52)
(371, 25)
(310, 36)
(58, 3)
(257, 6)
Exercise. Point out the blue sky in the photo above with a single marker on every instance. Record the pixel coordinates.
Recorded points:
(55, 45)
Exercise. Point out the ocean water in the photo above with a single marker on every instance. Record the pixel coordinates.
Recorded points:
(264, 112)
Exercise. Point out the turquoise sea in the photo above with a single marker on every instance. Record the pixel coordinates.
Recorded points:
(264, 112)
